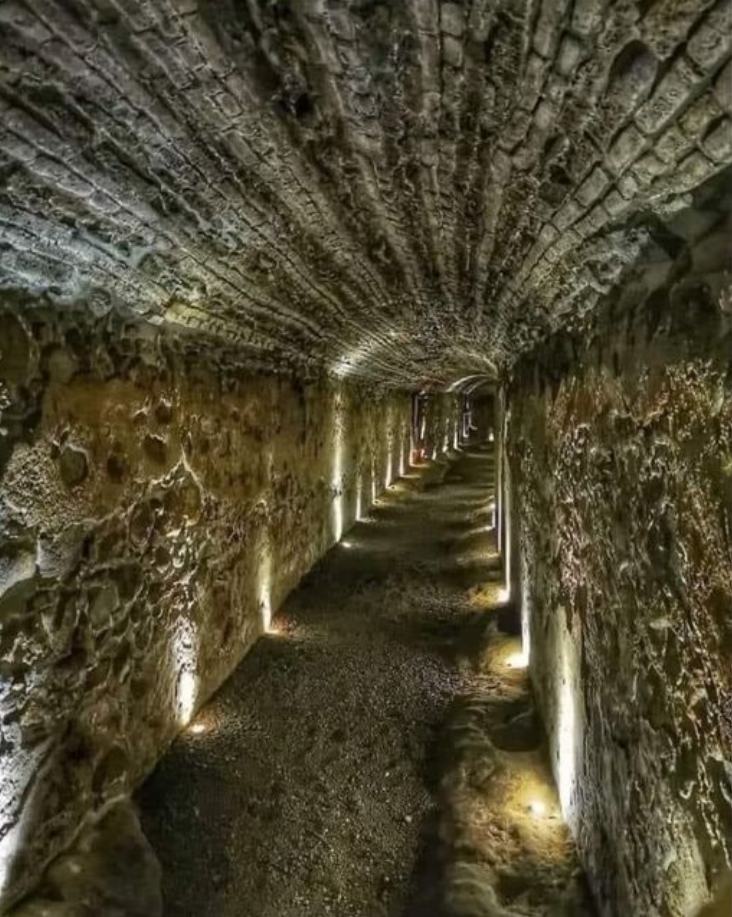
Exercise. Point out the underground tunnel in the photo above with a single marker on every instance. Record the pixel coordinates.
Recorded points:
(365, 458)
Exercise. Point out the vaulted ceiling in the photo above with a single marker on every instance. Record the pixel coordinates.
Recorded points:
(409, 190)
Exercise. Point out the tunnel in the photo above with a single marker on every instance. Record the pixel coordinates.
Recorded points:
(365, 458)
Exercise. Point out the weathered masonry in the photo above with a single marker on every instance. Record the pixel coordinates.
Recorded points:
(261, 260)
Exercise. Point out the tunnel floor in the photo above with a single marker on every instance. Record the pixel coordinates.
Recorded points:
(344, 768)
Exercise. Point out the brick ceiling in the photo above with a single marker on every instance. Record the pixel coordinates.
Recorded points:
(405, 190)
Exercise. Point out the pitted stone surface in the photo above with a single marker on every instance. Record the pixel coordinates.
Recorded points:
(403, 190)
(111, 871)
(622, 468)
(156, 503)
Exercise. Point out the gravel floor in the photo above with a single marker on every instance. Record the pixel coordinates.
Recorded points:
(310, 785)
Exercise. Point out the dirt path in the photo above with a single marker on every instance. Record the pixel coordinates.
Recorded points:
(308, 785)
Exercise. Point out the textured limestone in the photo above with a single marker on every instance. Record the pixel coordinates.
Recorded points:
(110, 872)
(402, 190)
(156, 503)
(620, 441)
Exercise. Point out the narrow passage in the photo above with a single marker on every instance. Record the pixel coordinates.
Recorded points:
(346, 767)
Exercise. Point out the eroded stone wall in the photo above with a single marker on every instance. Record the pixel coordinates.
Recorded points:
(620, 439)
(156, 504)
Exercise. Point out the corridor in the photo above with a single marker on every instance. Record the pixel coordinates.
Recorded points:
(327, 776)
(365, 458)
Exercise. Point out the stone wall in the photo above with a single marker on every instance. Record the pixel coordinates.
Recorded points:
(620, 437)
(156, 504)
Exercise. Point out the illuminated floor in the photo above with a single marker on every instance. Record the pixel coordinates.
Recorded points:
(325, 777)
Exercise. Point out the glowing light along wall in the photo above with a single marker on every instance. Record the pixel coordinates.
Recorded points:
(507, 536)
(389, 452)
(525, 598)
(264, 586)
(359, 498)
(15, 782)
(185, 665)
(337, 475)
(567, 737)
(504, 509)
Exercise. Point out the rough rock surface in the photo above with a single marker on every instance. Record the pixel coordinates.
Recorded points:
(408, 190)
(621, 437)
(155, 506)
(498, 846)
(111, 871)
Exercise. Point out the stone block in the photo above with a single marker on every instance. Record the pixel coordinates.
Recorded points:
(648, 167)
(568, 242)
(548, 27)
(668, 98)
(592, 222)
(452, 20)
(628, 186)
(699, 115)
(568, 214)
(570, 54)
(710, 44)
(587, 15)
(615, 203)
(671, 145)
(536, 68)
(545, 115)
(693, 171)
(633, 75)
(717, 143)
(452, 51)
(723, 87)
(625, 148)
(552, 255)
(548, 235)
(593, 186)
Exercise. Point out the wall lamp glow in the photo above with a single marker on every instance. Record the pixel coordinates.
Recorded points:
(517, 661)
